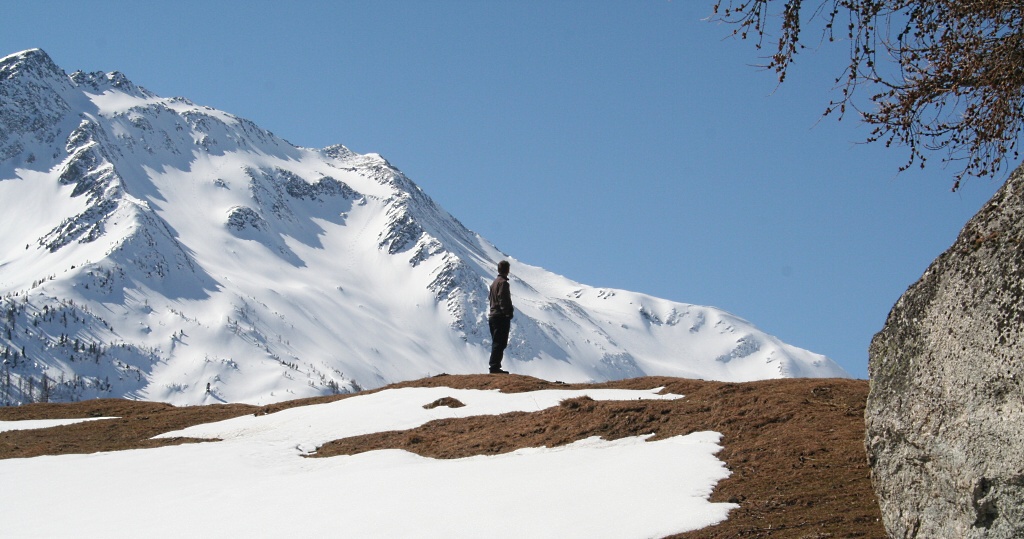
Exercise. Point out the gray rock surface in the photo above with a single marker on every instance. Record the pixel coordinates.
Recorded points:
(945, 428)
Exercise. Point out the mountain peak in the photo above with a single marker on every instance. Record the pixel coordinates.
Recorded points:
(189, 256)
(32, 103)
(34, 61)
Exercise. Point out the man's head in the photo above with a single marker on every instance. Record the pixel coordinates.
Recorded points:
(503, 267)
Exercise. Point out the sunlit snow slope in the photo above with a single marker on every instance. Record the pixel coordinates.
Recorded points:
(157, 249)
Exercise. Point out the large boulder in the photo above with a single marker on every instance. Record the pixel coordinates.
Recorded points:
(945, 426)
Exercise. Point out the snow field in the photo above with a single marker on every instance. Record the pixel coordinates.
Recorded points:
(256, 482)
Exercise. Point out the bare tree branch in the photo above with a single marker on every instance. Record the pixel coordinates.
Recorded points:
(945, 75)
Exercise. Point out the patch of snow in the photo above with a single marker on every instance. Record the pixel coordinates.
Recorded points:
(257, 483)
(31, 424)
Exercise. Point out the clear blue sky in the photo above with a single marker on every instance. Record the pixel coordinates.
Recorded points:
(623, 144)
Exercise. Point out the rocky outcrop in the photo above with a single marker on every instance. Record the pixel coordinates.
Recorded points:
(945, 414)
(32, 104)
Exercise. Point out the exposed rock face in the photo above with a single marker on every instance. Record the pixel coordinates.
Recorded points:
(945, 428)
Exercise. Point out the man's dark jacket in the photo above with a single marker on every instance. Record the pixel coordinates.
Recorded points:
(500, 299)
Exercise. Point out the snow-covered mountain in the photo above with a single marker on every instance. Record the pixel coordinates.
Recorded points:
(157, 249)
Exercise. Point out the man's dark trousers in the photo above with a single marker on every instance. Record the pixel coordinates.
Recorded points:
(500, 327)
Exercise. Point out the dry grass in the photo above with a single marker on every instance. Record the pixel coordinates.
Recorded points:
(795, 447)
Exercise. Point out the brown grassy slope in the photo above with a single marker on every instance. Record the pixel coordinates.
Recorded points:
(135, 423)
(794, 447)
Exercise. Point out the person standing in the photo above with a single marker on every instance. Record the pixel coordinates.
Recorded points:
(499, 317)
